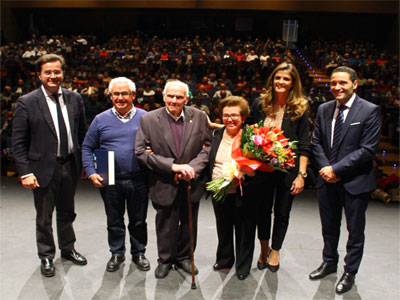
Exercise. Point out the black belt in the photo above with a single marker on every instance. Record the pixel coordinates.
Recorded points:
(62, 160)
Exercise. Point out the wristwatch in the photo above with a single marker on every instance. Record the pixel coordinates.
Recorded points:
(303, 174)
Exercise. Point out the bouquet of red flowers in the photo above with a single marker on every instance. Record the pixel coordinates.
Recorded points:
(269, 146)
(259, 148)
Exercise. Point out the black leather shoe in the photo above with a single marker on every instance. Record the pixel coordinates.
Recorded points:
(272, 268)
(323, 270)
(217, 267)
(74, 256)
(47, 267)
(162, 270)
(261, 265)
(115, 262)
(187, 267)
(345, 283)
(142, 262)
(242, 276)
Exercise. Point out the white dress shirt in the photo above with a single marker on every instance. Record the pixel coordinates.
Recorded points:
(345, 113)
(53, 111)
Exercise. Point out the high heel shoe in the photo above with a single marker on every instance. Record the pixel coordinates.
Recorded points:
(261, 265)
(273, 268)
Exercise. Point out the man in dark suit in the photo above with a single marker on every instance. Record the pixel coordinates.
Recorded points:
(344, 143)
(48, 129)
(179, 139)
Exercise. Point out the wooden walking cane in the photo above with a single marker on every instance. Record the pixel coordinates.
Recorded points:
(189, 192)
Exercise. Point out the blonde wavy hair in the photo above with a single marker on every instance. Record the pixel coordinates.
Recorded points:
(296, 105)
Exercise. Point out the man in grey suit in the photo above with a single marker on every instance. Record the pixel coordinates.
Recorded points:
(48, 129)
(344, 143)
(179, 139)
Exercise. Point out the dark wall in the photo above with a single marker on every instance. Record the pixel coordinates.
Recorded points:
(380, 28)
(383, 30)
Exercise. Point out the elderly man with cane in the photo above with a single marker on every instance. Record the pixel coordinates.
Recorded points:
(179, 139)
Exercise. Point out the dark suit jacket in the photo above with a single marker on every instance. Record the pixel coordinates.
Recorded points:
(155, 131)
(298, 130)
(358, 144)
(34, 135)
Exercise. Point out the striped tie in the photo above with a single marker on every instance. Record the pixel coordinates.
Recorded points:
(337, 134)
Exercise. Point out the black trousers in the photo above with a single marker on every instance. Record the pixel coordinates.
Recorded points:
(332, 199)
(235, 217)
(132, 194)
(271, 192)
(58, 194)
(172, 228)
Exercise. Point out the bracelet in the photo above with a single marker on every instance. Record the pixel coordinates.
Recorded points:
(303, 174)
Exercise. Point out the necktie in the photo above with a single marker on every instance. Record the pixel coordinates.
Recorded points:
(337, 134)
(62, 130)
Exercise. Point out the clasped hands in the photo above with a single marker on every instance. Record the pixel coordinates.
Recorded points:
(183, 171)
(328, 174)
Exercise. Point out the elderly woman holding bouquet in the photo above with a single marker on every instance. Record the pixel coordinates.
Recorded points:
(282, 106)
(232, 212)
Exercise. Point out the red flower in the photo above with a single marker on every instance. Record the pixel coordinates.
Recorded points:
(284, 141)
(268, 148)
(258, 143)
(270, 136)
(290, 161)
(275, 130)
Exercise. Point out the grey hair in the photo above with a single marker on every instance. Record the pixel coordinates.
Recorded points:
(177, 83)
(131, 84)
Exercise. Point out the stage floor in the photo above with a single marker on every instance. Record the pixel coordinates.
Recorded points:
(378, 277)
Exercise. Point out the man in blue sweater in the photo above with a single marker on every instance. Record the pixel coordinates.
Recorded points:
(115, 129)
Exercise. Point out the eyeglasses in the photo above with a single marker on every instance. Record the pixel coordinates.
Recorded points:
(123, 94)
(234, 117)
(178, 97)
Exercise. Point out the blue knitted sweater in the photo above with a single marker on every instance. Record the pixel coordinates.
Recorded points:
(108, 132)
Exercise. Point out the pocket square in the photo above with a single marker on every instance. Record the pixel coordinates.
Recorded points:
(356, 123)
